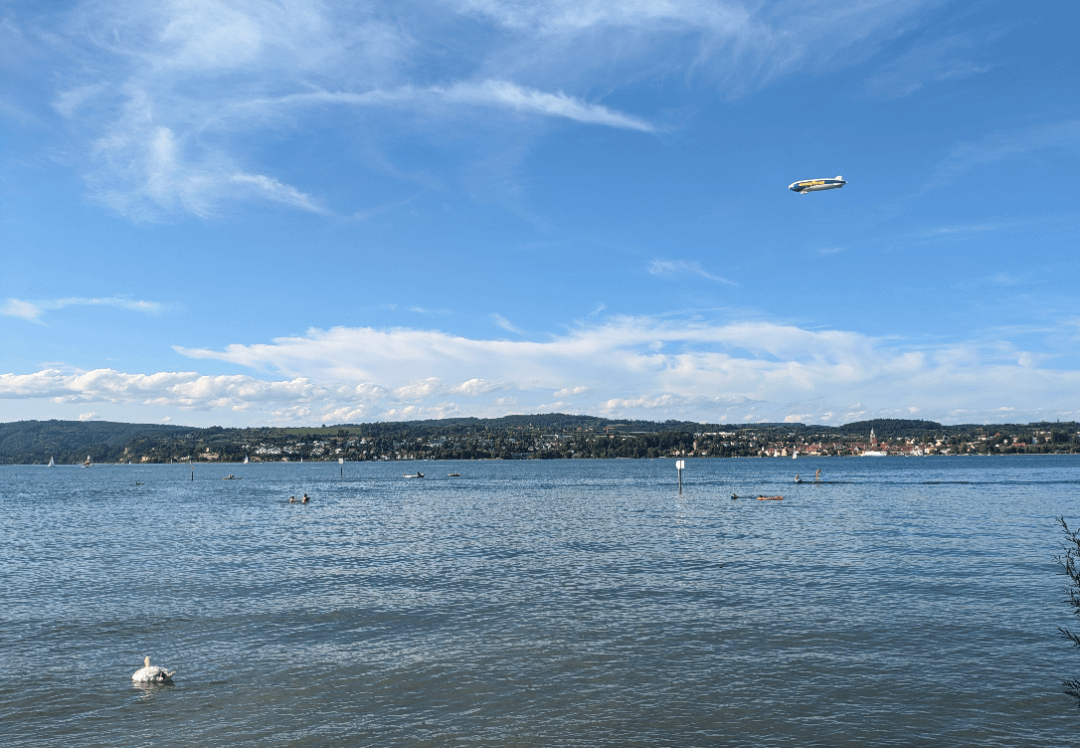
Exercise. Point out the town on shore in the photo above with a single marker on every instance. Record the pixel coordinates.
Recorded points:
(544, 436)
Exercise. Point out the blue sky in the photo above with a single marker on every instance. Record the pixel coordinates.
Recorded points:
(248, 213)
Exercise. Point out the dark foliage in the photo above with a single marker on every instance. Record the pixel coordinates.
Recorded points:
(69, 442)
(1068, 561)
(538, 436)
(892, 428)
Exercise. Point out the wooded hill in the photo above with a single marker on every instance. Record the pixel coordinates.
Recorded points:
(31, 442)
(543, 436)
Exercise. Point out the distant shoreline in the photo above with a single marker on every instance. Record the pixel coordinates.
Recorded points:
(543, 437)
(807, 480)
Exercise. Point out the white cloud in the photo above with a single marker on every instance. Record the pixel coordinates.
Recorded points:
(734, 44)
(172, 101)
(1004, 146)
(702, 370)
(676, 268)
(420, 389)
(506, 324)
(277, 192)
(568, 391)
(934, 61)
(32, 311)
(493, 93)
(477, 387)
(241, 398)
(530, 101)
(24, 309)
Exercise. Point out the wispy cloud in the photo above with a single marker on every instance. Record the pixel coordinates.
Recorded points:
(185, 390)
(506, 324)
(277, 192)
(647, 367)
(934, 61)
(733, 44)
(167, 99)
(624, 366)
(1004, 146)
(569, 391)
(676, 268)
(530, 101)
(24, 309)
(32, 310)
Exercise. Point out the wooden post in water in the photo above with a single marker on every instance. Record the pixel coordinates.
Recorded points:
(341, 467)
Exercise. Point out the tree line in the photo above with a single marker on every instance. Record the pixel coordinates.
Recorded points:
(544, 436)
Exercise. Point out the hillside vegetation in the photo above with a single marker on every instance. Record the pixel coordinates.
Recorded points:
(545, 436)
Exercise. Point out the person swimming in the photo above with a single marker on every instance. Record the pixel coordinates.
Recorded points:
(797, 478)
(817, 476)
(305, 500)
(292, 499)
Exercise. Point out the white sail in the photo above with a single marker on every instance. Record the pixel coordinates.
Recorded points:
(52, 463)
(245, 459)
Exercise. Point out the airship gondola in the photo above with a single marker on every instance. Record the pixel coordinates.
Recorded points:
(807, 186)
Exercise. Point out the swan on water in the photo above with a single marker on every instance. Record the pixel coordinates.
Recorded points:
(152, 674)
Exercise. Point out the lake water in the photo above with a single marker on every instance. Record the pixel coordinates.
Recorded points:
(565, 603)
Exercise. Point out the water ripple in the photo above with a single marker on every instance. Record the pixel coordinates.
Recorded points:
(582, 603)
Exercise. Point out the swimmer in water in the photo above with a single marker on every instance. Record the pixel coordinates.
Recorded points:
(292, 499)
(797, 478)
(817, 476)
(734, 496)
(305, 499)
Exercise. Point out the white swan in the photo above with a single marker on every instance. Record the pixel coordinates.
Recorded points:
(152, 674)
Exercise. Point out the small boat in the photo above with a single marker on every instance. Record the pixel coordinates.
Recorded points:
(245, 459)
(87, 463)
(770, 498)
(230, 476)
(52, 463)
(453, 475)
(412, 475)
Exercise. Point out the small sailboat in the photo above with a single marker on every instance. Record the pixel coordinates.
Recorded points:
(418, 474)
(245, 459)
(87, 463)
(52, 463)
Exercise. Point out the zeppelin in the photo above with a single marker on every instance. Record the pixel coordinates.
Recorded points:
(807, 186)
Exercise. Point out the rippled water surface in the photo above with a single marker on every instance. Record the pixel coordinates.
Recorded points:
(584, 603)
